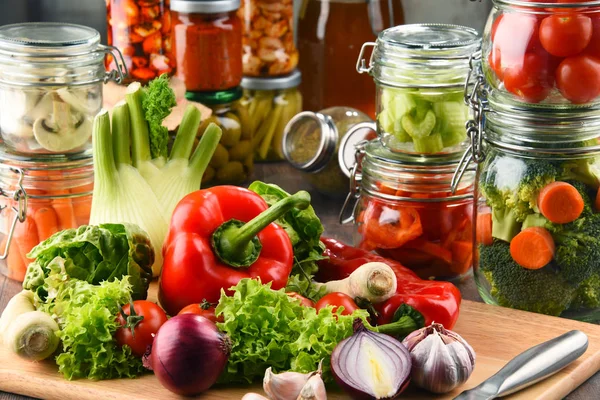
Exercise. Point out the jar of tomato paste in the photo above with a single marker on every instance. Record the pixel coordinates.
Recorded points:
(208, 43)
(544, 53)
(403, 209)
(141, 29)
(39, 197)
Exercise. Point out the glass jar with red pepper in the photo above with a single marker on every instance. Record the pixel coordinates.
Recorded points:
(208, 43)
(404, 210)
(141, 29)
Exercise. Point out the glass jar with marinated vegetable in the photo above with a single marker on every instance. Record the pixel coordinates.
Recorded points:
(51, 78)
(268, 42)
(233, 160)
(207, 39)
(141, 29)
(420, 72)
(271, 103)
(544, 52)
(40, 196)
(403, 209)
(315, 142)
(538, 220)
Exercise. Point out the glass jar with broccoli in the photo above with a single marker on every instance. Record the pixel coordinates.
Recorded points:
(538, 217)
(420, 71)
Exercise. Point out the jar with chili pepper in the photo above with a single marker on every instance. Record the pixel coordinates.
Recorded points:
(208, 43)
(271, 103)
(141, 29)
(404, 210)
(39, 197)
(233, 160)
(420, 72)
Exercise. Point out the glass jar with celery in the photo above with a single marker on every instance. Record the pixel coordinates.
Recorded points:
(420, 72)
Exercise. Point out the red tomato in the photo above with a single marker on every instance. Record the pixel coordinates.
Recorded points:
(565, 35)
(495, 62)
(205, 310)
(531, 81)
(515, 35)
(593, 48)
(337, 299)
(305, 302)
(147, 318)
(578, 78)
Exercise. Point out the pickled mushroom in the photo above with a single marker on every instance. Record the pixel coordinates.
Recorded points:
(64, 130)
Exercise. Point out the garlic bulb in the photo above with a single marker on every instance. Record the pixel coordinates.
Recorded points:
(284, 386)
(441, 359)
(314, 389)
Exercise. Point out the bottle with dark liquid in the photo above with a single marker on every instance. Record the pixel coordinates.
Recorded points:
(330, 35)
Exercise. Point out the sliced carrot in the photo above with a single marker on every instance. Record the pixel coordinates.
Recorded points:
(82, 207)
(560, 202)
(484, 229)
(390, 228)
(532, 248)
(462, 256)
(434, 249)
(16, 266)
(46, 222)
(26, 235)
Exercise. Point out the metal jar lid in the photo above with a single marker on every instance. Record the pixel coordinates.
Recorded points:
(204, 6)
(277, 83)
(215, 98)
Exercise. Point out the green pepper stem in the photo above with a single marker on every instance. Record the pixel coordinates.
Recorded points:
(401, 328)
(235, 242)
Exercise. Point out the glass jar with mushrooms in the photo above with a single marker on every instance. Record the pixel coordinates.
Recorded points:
(51, 78)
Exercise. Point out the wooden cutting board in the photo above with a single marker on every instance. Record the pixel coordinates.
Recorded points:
(497, 334)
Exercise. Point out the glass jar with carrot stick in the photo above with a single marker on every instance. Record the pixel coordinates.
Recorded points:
(537, 230)
(39, 197)
(404, 210)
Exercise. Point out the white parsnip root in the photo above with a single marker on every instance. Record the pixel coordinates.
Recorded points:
(374, 281)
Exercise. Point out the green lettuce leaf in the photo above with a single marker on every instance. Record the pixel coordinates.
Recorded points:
(95, 254)
(304, 229)
(269, 329)
(86, 315)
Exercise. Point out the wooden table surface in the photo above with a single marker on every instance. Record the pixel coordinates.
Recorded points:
(327, 209)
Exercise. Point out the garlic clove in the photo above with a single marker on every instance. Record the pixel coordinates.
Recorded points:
(314, 389)
(284, 386)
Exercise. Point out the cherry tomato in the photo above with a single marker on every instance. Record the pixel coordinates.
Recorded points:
(337, 299)
(495, 62)
(204, 309)
(531, 81)
(593, 48)
(515, 35)
(305, 302)
(578, 78)
(146, 319)
(565, 35)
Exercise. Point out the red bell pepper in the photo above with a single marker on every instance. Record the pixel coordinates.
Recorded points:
(436, 301)
(211, 246)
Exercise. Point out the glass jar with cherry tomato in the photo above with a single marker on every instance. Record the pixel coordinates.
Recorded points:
(404, 210)
(544, 52)
(420, 72)
(141, 29)
(537, 230)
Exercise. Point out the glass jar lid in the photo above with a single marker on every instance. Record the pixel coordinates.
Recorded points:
(204, 6)
(422, 55)
(215, 98)
(51, 38)
(276, 83)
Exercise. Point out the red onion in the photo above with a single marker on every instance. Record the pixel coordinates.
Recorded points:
(188, 354)
(371, 365)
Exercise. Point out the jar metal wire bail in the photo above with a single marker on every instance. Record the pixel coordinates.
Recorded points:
(20, 197)
(121, 72)
(361, 62)
(355, 179)
(476, 99)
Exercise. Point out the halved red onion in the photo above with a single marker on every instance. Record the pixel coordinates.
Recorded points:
(371, 365)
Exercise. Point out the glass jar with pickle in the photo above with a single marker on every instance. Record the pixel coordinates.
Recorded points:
(233, 160)
(39, 197)
(420, 72)
(403, 209)
(271, 103)
(141, 29)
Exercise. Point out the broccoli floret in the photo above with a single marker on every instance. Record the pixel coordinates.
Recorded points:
(504, 224)
(543, 291)
(588, 294)
(586, 171)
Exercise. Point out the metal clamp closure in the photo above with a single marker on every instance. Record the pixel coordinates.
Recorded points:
(20, 199)
(121, 72)
(361, 66)
(355, 180)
